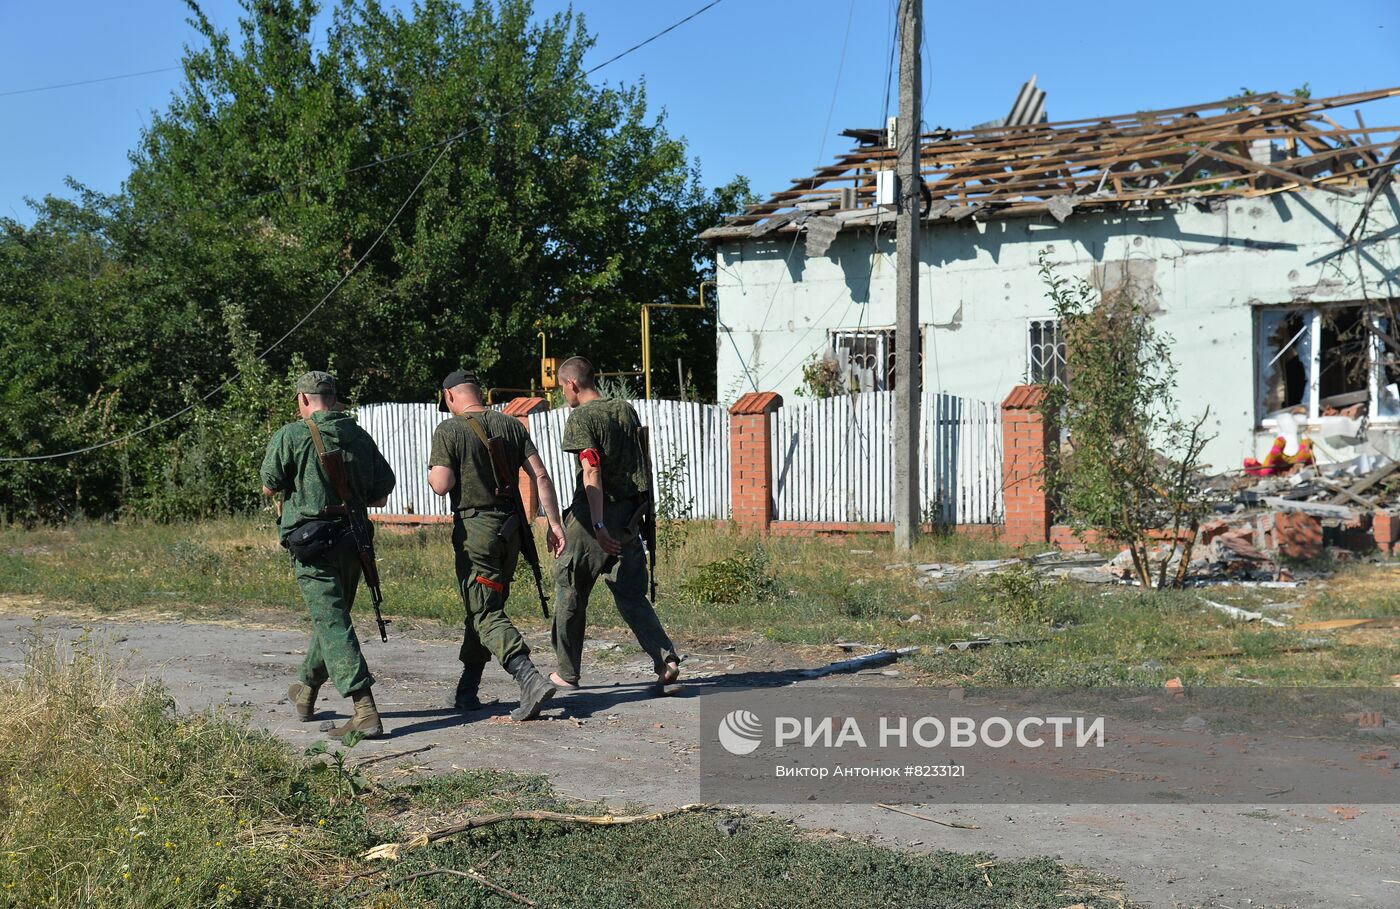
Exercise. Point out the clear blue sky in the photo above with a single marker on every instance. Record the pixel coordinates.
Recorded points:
(750, 82)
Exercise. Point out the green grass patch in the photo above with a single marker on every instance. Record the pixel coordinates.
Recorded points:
(688, 860)
(718, 584)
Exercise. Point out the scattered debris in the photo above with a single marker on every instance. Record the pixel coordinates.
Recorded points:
(394, 851)
(925, 817)
(978, 643)
(1244, 615)
(1316, 509)
(393, 754)
(867, 661)
(1344, 624)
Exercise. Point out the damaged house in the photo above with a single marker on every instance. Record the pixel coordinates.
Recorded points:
(1263, 232)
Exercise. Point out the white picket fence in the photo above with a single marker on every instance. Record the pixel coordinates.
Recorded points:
(688, 440)
(404, 433)
(833, 459)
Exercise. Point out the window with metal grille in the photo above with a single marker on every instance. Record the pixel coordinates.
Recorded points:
(1045, 352)
(865, 358)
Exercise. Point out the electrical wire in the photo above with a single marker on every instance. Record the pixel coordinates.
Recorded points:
(446, 145)
(273, 346)
(99, 79)
(49, 88)
(835, 89)
(641, 44)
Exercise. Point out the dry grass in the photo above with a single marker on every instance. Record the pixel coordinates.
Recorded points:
(111, 800)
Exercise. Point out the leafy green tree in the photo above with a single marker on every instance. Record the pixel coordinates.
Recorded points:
(1128, 464)
(559, 205)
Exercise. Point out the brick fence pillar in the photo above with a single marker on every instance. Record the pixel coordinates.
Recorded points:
(521, 408)
(1386, 527)
(1025, 443)
(751, 459)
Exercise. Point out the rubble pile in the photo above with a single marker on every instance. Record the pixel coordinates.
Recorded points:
(1266, 531)
(1083, 566)
(1268, 526)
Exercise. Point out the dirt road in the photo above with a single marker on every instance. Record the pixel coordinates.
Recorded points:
(615, 741)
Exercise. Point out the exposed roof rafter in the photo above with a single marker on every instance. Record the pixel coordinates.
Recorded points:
(1237, 147)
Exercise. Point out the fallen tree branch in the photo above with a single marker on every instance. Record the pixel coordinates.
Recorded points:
(392, 851)
(469, 874)
(925, 817)
(391, 755)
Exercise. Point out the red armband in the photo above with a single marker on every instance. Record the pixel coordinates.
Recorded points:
(590, 457)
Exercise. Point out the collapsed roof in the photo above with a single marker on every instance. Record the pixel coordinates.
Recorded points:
(1247, 146)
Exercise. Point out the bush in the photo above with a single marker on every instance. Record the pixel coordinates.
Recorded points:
(1130, 463)
(1020, 596)
(737, 579)
(211, 467)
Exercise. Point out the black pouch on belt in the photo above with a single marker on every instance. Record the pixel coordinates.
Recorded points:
(317, 539)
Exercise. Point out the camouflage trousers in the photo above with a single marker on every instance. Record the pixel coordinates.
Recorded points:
(578, 570)
(328, 588)
(485, 566)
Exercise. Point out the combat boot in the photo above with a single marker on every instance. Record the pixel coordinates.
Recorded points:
(303, 698)
(466, 698)
(535, 689)
(365, 720)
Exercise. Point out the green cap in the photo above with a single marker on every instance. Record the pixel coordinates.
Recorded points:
(316, 383)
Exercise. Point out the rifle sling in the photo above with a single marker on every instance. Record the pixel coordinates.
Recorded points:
(501, 492)
(316, 439)
(320, 444)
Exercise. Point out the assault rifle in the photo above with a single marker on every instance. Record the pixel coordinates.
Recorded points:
(333, 463)
(509, 487)
(648, 523)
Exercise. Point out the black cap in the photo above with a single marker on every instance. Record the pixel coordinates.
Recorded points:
(455, 378)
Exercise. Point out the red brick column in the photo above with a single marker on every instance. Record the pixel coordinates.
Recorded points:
(1025, 442)
(751, 459)
(1386, 527)
(521, 408)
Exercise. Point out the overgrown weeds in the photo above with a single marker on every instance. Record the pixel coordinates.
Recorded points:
(739, 578)
(112, 799)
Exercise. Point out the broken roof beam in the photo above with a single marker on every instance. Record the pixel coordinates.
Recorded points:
(1156, 155)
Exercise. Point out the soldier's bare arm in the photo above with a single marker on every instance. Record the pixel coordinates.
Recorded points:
(549, 501)
(593, 486)
(442, 479)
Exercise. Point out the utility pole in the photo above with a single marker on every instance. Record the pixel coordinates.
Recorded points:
(908, 383)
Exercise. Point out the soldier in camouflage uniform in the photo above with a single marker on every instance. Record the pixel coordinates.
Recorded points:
(292, 475)
(486, 535)
(613, 483)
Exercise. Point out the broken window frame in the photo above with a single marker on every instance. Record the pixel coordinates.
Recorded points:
(1308, 341)
(1036, 354)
